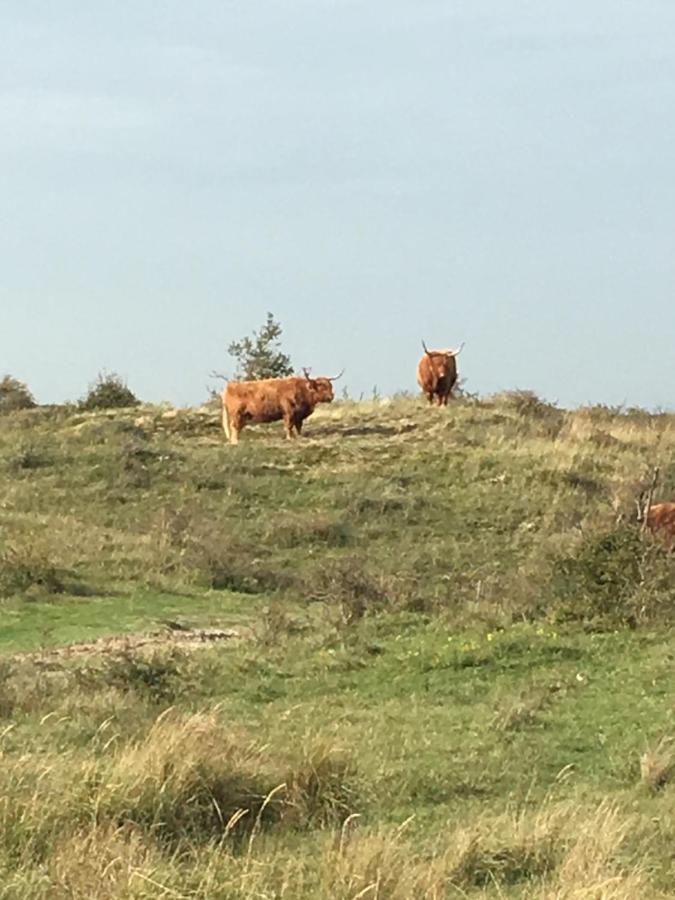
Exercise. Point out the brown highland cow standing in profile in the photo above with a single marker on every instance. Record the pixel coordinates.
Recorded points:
(437, 374)
(292, 399)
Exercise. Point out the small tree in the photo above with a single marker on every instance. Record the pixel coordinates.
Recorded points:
(260, 356)
(109, 391)
(14, 395)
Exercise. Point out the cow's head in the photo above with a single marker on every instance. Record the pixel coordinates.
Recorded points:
(443, 361)
(321, 388)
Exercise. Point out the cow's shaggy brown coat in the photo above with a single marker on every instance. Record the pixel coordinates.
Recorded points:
(291, 399)
(661, 520)
(437, 374)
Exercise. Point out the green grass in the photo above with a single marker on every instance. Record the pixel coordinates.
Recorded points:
(433, 696)
(452, 630)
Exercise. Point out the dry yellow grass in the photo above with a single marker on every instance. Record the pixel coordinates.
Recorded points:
(557, 854)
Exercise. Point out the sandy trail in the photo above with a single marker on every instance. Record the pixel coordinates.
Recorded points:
(172, 635)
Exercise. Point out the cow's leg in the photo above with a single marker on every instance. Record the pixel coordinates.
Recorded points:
(288, 425)
(430, 397)
(236, 424)
(298, 421)
(226, 424)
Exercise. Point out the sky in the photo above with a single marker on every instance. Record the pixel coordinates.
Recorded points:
(373, 172)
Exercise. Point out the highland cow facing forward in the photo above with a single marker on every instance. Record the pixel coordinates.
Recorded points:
(437, 374)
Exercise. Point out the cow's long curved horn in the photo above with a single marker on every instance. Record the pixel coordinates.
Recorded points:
(305, 372)
(335, 378)
(455, 352)
(425, 347)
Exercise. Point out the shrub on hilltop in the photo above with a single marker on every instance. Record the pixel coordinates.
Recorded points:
(109, 391)
(14, 394)
(525, 403)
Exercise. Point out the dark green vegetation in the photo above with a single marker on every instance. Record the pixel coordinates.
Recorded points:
(109, 391)
(260, 356)
(445, 615)
(14, 394)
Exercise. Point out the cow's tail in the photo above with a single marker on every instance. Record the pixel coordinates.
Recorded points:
(226, 420)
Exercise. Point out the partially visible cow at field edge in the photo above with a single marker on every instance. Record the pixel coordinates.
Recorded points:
(437, 373)
(660, 518)
(292, 399)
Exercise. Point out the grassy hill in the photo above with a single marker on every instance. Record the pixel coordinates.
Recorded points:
(420, 654)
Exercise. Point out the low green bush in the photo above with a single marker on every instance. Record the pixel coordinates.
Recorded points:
(109, 391)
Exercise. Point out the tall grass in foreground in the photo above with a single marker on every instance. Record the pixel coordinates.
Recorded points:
(558, 853)
(191, 805)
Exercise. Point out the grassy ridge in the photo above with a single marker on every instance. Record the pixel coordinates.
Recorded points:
(447, 615)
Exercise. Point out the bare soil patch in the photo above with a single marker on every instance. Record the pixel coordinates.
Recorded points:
(173, 634)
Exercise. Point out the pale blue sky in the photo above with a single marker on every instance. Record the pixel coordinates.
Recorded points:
(373, 172)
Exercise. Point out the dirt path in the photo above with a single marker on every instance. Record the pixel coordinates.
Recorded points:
(173, 635)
